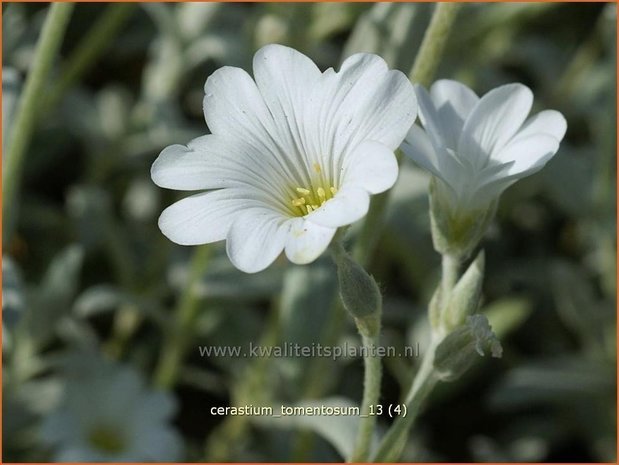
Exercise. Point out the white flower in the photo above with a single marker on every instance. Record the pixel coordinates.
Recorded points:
(108, 415)
(292, 156)
(477, 147)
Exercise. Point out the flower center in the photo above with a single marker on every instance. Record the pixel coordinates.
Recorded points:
(107, 440)
(306, 199)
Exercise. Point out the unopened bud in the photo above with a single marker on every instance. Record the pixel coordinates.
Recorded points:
(359, 293)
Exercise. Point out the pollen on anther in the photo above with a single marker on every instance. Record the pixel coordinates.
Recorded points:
(298, 202)
(321, 193)
(302, 190)
(333, 190)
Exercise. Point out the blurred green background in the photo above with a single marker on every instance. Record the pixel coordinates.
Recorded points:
(88, 274)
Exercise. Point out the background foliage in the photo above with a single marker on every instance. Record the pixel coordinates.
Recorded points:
(87, 270)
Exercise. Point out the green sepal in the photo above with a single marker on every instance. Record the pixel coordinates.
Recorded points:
(359, 292)
(461, 348)
(465, 298)
(456, 232)
(435, 308)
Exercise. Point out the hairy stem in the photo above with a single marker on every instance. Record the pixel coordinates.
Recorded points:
(393, 442)
(371, 394)
(449, 275)
(433, 44)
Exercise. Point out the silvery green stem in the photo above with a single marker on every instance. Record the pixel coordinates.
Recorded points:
(449, 275)
(393, 442)
(361, 297)
(371, 395)
(433, 43)
(47, 48)
(458, 299)
(424, 67)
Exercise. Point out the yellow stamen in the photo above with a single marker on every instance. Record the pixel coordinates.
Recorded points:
(317, 168)
(314, 196)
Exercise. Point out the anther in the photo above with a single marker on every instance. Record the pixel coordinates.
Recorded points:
(321, 193)
(302, 190)
(333, 190)
(298, 202)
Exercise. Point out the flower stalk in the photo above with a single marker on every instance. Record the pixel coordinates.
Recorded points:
(449, 275)
(433, 44)
(47, 48)
(361, 296)
(458, 337)
(423, 70)
(371, 395)
(393, 442)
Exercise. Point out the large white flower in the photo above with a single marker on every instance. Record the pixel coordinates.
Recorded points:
(477, 147)
(292, 156)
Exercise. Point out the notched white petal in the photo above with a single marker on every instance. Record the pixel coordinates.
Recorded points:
(454, 102)
(233, 107)
(418, 147)
(372, 166)
(307, 241)
(201, 218)
(528, 154)
(190, 167)
(429, 117)
(364, 100)
(285, 78)
(549, 122)
(349, 205)
(256, 238)
(494, 120)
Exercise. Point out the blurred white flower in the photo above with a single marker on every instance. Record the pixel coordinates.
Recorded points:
(107, 414)
(292, 156)
(477, 147)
